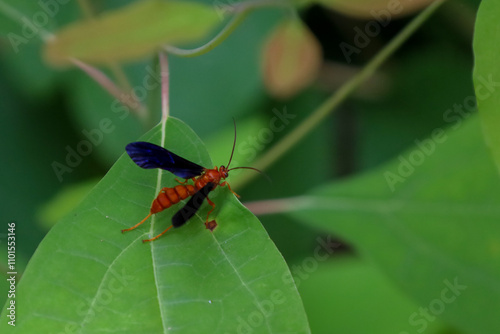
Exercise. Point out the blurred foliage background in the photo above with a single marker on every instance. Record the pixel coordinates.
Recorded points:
(44, 110)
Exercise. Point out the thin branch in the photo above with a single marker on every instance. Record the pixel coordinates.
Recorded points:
(292, 138)
(241, 11)
(273, 206)
(127, 99)
(165, 74)
(89, 14)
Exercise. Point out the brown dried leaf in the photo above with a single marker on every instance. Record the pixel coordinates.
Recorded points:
(291, 59)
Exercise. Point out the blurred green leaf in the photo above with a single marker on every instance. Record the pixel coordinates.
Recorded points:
(236, 60)
(63, 203)
(131, 32)
(435, 233)
(92, 107)
(340, 292)
(99, 280)
(24, 26)
(487, 72)
(234, 65)
(402, 114)
(18, 19)
(219, 143)
(24, 21)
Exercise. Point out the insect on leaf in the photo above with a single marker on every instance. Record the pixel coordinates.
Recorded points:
(87, 277)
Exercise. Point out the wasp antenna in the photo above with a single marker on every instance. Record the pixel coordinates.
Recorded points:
(255, 169)
(234, 144)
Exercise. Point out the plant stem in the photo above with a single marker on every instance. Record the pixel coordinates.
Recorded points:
(119, 92)
(272, 206)
(228, 29)
(90, 14)
(287, 142)
(165, 74)
(241, 11)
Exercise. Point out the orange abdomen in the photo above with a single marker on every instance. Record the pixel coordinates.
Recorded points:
(169, 196)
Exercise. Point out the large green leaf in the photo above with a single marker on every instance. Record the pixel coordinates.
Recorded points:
(487, 72)
(88, 277)
(436, 233)
(132, 32)
(330, 307)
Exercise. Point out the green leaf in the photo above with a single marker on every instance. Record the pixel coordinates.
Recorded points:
(330, 307)
(88, 277)
(131, 32)
(438, 228)
(63, 202)
(487, 72)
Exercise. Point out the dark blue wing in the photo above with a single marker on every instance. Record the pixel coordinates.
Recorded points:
(194, 203)
(148, 155)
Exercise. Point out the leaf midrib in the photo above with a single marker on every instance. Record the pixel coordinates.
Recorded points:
(151, 231)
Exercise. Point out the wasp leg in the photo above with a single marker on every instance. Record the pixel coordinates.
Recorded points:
(229, 187)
